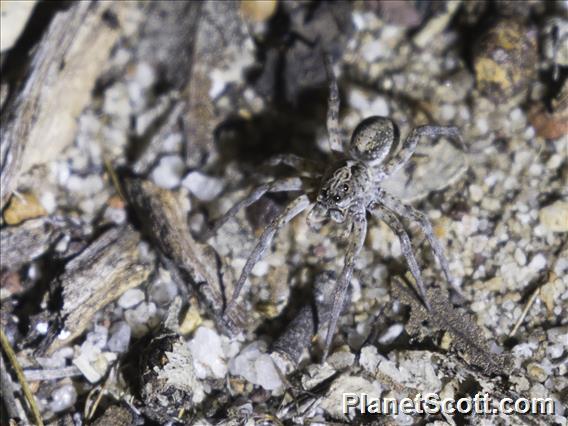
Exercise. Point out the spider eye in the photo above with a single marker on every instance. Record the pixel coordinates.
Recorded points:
(337, 198)
(345, 188)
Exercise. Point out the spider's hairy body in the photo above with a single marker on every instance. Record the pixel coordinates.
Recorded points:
(349, 192)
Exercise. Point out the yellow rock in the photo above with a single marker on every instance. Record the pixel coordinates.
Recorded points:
(191, 321)
(23, 207)
(258, 10)
(555, 217)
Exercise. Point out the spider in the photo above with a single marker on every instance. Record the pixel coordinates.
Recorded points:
(348, 192)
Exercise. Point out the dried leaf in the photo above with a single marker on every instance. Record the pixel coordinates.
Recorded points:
(468, 338)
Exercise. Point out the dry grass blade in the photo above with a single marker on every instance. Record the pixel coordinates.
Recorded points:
(7, 348)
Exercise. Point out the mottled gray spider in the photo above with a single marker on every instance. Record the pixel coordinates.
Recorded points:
(347, 191)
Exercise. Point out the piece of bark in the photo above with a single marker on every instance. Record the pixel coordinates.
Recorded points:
(115, 415)
(96, 277)
(62, 73)
(167, 38)
(23, 243)
(161, 216)
(169, 387)
(311, 320)
(7, 391)
(222, 43)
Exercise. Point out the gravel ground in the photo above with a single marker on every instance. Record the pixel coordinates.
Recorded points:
(257, 87)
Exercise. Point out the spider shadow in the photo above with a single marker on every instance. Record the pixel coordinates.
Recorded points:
(281, 128)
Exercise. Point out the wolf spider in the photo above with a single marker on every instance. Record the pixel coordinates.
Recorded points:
(348, 190)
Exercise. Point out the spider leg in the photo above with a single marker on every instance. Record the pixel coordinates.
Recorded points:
(296, 162)
(291, 211)
(396, 225)
(411, 213)
(409, 145)
(281, 185)
(333, 128)
(357, 238)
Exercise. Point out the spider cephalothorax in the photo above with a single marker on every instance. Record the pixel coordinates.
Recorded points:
(349, 191)
(347, 183)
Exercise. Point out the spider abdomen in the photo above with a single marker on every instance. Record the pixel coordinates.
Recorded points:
(373, 139)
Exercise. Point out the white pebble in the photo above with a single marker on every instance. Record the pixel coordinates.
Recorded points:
(260, 269)
(476, 193)
(391, 334)
(380, 107)
(208, 355)
(48, 202)
(538, 262)
(131, 298)
(169, 172)
(341, 360)
(205, 188)
(482, 125)
(145, 75)
(116, 100)
(63, 398)
(42, 327)
(369, 359)
(448, 112)
(373, 50)
(256, 367)
(120, 337)
(520, 257)
(555, 351)
(554, 217)
(142, 318)
(163, 292)
(516, 115)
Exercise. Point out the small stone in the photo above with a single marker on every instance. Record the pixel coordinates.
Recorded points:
(63, 398)
(521, 383)
(549, 125)
(341, 360)
(191, 321)
(142, 318)
(169, 172)
(333, 400)
(448, 112)
(554, 218)
(145, 75)
(380, 107)
(85, 186)
(203, 187)
(536, 372)
(370, 359)
(267, 375)
(163, 292)
(131, 298)
(258, 10)
(538, 262)
(15, 15)
(391, 334)
(120, 337)
(208, 355)
(555, 351)
(23, 207)
(47, 200)
(92, 369)
(520, 257)
(476, 193)
(256, 367)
